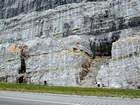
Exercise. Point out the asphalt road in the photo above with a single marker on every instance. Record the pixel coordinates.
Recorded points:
(25, 98)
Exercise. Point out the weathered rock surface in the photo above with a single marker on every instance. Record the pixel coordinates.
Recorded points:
(123, 70)
(11, 8)
(70, 45)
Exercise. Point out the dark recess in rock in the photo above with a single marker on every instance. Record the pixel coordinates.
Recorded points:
(102, 46)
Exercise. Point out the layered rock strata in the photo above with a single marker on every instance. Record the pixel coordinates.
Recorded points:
(11, 8)
(59, 45)
(123, 70)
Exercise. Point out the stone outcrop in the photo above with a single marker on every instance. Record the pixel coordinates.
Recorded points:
(11, 8)
(76, 44)
(123, 70)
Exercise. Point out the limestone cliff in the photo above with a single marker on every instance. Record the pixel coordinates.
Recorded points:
(11, 8)
(70, 42)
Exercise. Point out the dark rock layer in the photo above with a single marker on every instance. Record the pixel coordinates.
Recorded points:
(8, 8)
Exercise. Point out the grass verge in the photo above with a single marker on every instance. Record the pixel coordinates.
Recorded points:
(101, 92)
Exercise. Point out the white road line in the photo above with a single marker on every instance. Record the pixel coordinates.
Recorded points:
(21, 99)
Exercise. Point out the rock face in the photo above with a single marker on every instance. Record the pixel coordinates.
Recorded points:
(11, 8)
(123, 70)
(75, 44)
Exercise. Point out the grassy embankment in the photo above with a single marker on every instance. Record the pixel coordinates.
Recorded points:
(124, 93)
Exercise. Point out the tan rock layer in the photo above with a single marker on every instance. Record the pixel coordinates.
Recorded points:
(65, 52)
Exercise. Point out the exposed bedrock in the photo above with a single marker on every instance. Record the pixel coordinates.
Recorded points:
(11, 8)
(76, 44)
(123, 70)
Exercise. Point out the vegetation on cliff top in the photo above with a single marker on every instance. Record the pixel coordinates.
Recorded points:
(101, 92)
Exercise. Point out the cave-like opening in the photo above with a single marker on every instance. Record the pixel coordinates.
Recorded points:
(20, 79)
(22, 66)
